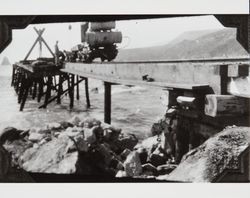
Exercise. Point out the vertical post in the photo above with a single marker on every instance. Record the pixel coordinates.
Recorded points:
(48, 91)
(71, 95)
(77, 88)
(223, 79)
(27, 85)
(19, 79)
(22, 80)
(87, 92)
(60, 87)
(34, 89)
(13, 76)
(107, 102)
(40, 89)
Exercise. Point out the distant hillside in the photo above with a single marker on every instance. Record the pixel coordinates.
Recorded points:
(190, 35)
(5, 61)
(190, 45)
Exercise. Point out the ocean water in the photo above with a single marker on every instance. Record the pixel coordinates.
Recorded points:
(134, 109)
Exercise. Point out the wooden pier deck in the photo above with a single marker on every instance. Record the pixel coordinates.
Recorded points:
(45, 80)
(192, 77)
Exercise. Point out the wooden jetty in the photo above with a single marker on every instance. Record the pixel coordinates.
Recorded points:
(42, 77)
(44, 81)
(195, 78)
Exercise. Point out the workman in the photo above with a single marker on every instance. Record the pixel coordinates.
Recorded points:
(59, 55)
(56, 53)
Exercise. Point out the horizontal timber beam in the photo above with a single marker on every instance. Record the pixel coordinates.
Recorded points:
(189, 74)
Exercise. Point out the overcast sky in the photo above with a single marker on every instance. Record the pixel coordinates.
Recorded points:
(136, 33)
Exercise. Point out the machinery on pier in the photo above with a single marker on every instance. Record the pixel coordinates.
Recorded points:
(98, 41)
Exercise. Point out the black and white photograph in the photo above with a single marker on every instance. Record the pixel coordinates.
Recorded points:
(108, 93)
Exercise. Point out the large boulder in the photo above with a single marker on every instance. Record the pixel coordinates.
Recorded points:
(52, 157)
(75, 120)
(5, 162)
(148, 144)
(10, 134)
(8, 173)
(75, 147)
(132, 165)
(210, 160)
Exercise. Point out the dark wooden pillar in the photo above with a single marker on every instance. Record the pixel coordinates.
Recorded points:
(224, 79)
(40, 89)
(71, 89)
(87, 92)
(34, 89)
(13, 75)
(22, 82)
(48, 91)
(77, 88)
(27, 86)
(19, 81)
(60, 89)
(107, 102)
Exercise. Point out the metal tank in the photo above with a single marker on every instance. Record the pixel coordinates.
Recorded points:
(102, 26)
(103, 38)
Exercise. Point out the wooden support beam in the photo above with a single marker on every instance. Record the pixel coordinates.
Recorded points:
(224, 79)
(19, 80)
(71, 95)
(27, 85)
(186, 101)
(225, 105)
(34, 44)
(34, 94)
(40, 89)
(20, 92)
(48, 91)
(13, 76)
(107, 102)
(87, 92)
(60, 89)
(63, 92)
(42, 40)
(77, 88)
(31, 90)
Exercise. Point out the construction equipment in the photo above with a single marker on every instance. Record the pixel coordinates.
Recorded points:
(98, 41)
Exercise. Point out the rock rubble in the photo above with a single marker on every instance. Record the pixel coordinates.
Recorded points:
(86, 147)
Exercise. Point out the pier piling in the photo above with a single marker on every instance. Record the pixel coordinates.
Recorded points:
(107, 102)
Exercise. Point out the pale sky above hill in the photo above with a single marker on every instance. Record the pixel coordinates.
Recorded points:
(136, 33)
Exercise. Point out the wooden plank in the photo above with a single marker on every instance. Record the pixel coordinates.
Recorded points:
(138, 82)
(44, 69)
(225, 105)
(179, 74)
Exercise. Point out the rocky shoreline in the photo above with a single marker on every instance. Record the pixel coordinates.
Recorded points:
(86, 147)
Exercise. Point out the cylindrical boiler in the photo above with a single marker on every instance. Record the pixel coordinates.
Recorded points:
(103, 38)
